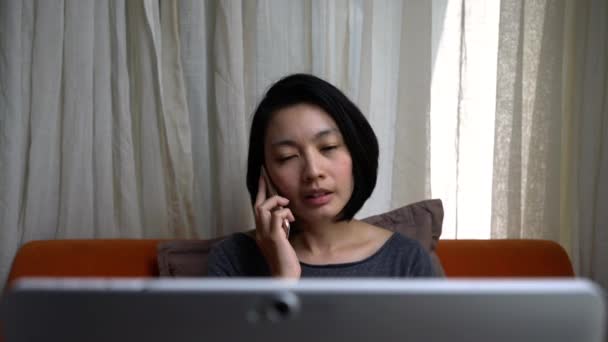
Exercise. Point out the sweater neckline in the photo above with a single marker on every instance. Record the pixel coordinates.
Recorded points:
(354, 263)
(346, 264)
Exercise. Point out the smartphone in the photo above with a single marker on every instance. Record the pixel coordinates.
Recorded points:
(272, 191)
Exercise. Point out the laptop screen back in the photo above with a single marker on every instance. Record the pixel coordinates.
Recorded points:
(306, 310)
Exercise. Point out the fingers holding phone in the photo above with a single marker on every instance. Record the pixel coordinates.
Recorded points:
(271, 191)
(270, 216)
(272, 230)
(269, 206)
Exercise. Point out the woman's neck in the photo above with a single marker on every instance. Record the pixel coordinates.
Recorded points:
(325, 237)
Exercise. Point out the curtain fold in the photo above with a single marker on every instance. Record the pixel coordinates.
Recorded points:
(146, 113)
(588, 166)
(176, 124)
(526, 177)
(40, 208)
(230, 121)
(124, 186)
(412, 151)
(15, 57)
(75, 118)
(195, 32)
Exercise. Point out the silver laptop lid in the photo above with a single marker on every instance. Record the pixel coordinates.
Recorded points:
(306, 310)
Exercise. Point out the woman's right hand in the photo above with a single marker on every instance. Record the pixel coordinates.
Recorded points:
(270, 236)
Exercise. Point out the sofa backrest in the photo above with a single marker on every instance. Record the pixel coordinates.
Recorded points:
(138, 258)
(82, 258)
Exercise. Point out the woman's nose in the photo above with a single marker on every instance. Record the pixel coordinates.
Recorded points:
(312, 169)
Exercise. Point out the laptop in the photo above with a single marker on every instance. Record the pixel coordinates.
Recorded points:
(308, 310)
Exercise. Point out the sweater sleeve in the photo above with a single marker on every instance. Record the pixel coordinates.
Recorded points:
(422, 265)
(236, 256)
(219, 264)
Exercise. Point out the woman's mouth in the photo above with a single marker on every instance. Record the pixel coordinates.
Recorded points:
(318, 199)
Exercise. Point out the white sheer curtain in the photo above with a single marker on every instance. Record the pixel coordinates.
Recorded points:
(550, 155)
(130, 118)
(585, 157)
(519, 123)
(95, 132)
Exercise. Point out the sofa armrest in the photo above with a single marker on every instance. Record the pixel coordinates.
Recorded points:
(504, 258)
(86, 258)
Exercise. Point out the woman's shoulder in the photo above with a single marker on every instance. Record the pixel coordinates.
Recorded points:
(406, 240)
(374, 232)
(402, 255)
(391, 237)
(235, 243)
(414, 258)
(236, 255)
(395, 244)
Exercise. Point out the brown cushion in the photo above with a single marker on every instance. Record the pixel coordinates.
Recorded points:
(184, 258)
(419, 221)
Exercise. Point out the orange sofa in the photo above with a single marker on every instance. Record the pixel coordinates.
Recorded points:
(137, 258)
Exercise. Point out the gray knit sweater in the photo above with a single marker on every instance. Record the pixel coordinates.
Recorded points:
(239, 256)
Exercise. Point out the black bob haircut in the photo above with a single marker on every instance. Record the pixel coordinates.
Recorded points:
(356, 131)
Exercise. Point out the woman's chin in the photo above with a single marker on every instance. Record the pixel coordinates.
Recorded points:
(320, 215)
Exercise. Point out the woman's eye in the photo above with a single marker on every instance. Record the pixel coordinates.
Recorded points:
(329, 148)
(285, 158)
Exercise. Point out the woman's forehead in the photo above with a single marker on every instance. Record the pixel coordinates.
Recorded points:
(300, 122)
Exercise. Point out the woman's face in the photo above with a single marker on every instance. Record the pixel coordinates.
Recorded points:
(308, 162)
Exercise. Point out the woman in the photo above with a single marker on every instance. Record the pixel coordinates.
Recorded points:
(321, 155)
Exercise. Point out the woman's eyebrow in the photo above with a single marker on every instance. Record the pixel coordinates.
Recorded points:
(317, 136)
(324, 133)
